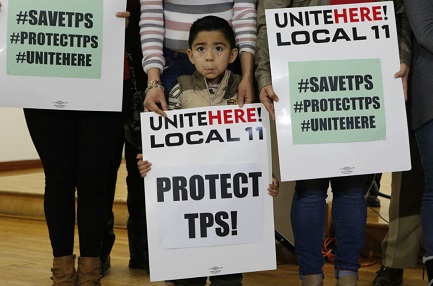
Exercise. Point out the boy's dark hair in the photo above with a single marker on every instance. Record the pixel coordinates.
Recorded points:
(212, 23)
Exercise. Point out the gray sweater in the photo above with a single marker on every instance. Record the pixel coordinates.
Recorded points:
(420, 14)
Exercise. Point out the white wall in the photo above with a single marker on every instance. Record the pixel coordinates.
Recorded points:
(15, 141)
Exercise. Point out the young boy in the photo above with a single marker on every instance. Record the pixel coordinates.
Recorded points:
(211, 49)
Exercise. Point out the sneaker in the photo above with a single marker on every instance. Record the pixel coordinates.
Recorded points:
(372, 201)
(387, 276)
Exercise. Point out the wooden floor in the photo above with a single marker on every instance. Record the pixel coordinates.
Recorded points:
(25, 252)
(25, 259)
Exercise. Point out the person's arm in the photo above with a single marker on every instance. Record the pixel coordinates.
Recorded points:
(152, 38)
(263, 69)
(420, 14)
(404, 43)
(155, 93)
(244, 25)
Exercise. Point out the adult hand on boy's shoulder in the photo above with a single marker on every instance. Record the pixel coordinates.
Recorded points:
(267, 98)
(245, 91)
(155, 96)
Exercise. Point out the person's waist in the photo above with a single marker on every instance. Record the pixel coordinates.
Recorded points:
(174, 53)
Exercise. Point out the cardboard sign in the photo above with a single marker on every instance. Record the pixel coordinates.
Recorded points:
(62, 54)
(341, 111)
(208, 211)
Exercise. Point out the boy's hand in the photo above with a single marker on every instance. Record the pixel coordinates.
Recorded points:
(143, 166)
(274, 188)
(404, 74)
(153, 97)
(267, 98)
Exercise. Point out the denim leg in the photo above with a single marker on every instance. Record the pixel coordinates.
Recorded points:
(177, 64)
(308, 222)
(424, 137)
(349, 214)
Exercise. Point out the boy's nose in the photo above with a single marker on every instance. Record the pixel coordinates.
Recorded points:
(209, 57)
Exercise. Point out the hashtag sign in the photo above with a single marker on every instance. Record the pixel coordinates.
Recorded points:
(22, 18)
(21, 57)
(15, 38)
(303, 85)
(298, 106)
(305, 125)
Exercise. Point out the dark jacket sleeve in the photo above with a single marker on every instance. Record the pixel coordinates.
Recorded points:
(420, 14)
(404, 32)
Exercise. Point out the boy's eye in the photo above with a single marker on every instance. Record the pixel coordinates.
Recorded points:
(219, 49)
(200, 49)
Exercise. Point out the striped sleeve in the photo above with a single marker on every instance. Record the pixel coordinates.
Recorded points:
(152, 34)
(244, 25)
(174, 98)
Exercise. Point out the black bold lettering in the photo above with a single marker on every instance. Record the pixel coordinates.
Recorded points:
(206, 221)
(196, 187)
(238, 179)
(224, 228)
(163, 185)
(191, 224)
(255, 182)
(179, 188)
(212, 185)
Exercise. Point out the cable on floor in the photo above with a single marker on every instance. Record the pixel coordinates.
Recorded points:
(328, 251)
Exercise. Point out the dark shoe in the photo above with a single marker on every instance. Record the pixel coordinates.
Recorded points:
(139, 262)
(105, 264)
(387, 276)
(372, 201)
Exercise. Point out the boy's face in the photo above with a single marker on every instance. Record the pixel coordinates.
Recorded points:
(211, 54)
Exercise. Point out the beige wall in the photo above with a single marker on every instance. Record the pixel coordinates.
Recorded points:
(15, 141)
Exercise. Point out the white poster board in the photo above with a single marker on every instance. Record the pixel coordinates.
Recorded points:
(340, 110)
(60, 54)
(208, 211)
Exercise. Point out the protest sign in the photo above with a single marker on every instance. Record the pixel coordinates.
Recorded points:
(208, 211)
(62, 54)
(341, 111)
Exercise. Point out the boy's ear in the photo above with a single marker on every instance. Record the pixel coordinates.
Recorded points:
(233, 55)
(189, 52)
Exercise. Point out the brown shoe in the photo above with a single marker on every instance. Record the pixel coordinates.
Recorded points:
(387, 276)
(64, 273)
(89, 271)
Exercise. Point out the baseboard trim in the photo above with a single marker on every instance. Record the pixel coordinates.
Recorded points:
(20, 165)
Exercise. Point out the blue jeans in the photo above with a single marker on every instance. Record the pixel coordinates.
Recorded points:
(424, 137)
(349, 214)
(176, 64)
